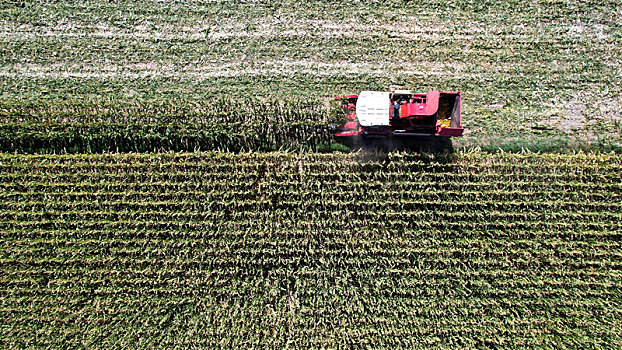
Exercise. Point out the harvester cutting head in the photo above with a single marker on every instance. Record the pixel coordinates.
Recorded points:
(376, 114)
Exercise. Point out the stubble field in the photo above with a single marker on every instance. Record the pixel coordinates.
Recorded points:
(541, 74)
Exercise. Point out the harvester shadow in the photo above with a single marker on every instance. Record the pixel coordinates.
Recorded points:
(429, 149)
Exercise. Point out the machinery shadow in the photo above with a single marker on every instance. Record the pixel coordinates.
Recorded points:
(428, 144)
(428, 149)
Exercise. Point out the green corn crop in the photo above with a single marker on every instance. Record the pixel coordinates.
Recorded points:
(309, 250)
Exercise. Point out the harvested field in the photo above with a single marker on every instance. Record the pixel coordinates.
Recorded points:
(531, 59)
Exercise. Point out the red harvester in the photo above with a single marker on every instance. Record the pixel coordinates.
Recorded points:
(376, 114)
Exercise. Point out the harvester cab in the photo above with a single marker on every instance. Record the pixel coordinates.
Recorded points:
(401, 113)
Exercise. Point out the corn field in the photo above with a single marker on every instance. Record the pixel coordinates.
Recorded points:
(309, 250)
(528, 70)
(163, 182)
(232, 125)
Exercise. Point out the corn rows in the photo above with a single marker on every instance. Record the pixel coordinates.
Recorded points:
(220, 124)
(215, 249)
